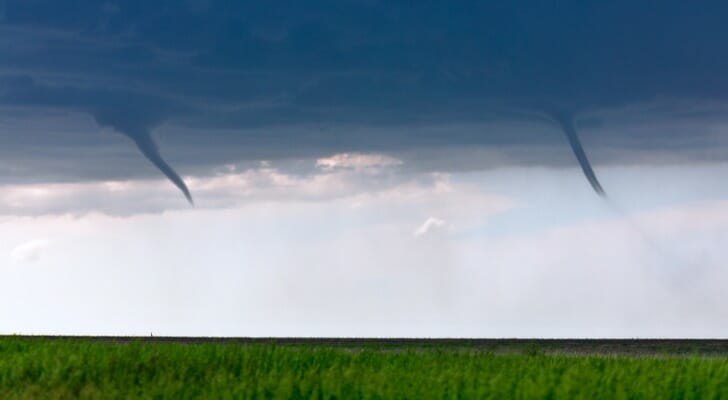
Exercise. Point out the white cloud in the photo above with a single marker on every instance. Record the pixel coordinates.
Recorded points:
(429, 225)
(366, 181)
(357, 161)
(29, 252)
(228, 189)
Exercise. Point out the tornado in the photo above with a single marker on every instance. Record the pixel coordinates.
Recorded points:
(566, 122)
(148, 147)
(136, 124)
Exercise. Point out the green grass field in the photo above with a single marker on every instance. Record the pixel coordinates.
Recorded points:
(58, 369)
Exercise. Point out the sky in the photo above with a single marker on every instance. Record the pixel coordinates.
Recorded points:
(363, 168)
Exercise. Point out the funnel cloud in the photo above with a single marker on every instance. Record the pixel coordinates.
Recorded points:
(149, 148)
(566, 122)
(135, 123)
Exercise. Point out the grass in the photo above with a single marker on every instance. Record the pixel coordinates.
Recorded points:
(58, 369)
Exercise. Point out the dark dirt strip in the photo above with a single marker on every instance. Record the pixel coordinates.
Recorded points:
(715, 347)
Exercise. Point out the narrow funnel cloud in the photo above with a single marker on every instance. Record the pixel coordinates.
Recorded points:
(567, 125)
(135, 124)
(149, 148)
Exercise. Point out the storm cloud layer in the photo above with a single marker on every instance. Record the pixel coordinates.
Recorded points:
(221, 82)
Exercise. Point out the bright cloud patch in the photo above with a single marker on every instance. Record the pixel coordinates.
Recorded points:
(429, 225)
(357, 161)
(29, 252)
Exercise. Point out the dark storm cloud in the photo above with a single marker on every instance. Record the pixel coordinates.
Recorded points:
(128, 113)
(288, 78)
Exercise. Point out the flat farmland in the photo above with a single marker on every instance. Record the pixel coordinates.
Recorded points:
(342, 368)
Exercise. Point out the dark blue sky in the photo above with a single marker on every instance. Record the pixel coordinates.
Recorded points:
(229, 81)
